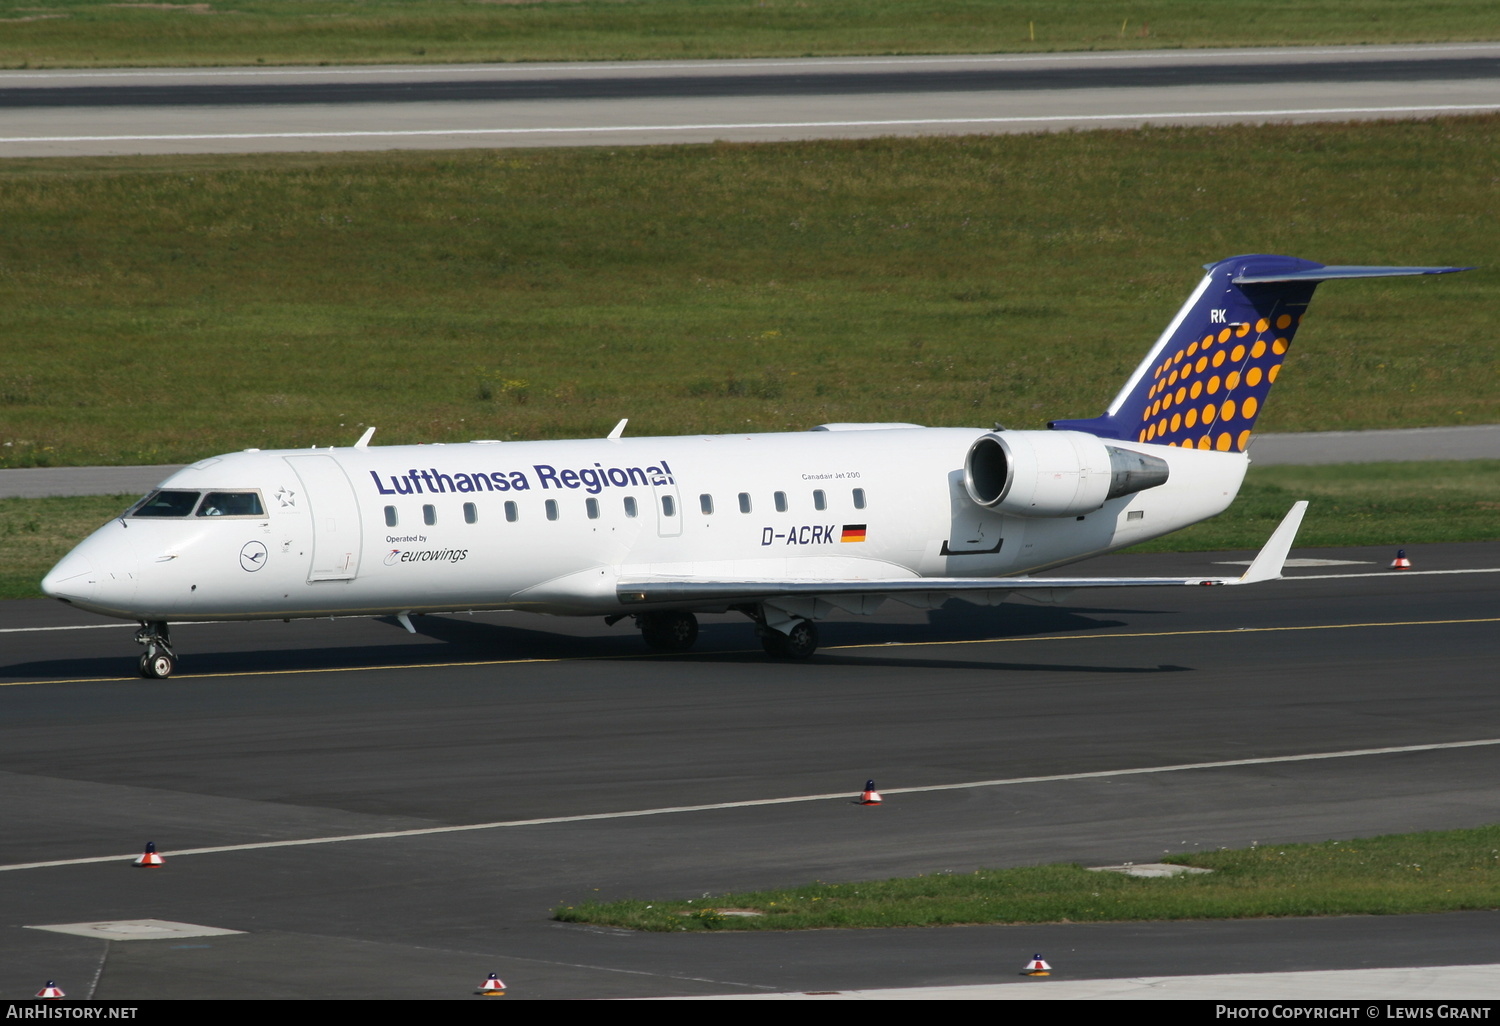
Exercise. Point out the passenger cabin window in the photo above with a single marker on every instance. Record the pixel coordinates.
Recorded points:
(859, 498)
(592, 505)
(781, 502)
(512, 513)
(630, 507)
(231, 504)
(390, 516)
(820, 500)
(551, 509)
(706, 503)
(471, 513)
(744, 502)
(668, 506)
(166, 504)
(429, 515)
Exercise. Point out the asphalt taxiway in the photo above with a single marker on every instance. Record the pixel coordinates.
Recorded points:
(395, 816)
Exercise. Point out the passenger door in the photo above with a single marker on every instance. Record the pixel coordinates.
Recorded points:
(337, 533)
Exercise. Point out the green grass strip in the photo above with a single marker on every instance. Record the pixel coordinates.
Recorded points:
(1392, 504)
(36, 533)
(162, 309)
(1396, 874)
(88, 33)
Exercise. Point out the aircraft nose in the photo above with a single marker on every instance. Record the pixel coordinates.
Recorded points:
(72, 580)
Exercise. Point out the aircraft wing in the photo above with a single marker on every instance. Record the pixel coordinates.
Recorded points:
(656, 590)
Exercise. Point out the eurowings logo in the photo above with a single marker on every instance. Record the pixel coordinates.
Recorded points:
(426, 556)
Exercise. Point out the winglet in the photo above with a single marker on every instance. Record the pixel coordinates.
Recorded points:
(1268, 563)
(364, 439)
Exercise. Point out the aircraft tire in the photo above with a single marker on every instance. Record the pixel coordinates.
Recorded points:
(158, 666)
(669, 631)
(798, 643)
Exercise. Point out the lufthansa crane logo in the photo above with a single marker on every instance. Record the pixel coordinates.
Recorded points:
(252, 556)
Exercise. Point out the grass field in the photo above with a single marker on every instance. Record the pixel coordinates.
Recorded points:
(1364, 504)
(1394, 875)
(1391, 504)
(161, 309)
(36, 533)
(73, 33)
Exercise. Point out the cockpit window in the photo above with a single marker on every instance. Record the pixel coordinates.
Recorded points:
(166, 504)
(231, 504)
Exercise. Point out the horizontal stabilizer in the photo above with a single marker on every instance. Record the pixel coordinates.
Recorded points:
(1332, 271)
(1272, 557)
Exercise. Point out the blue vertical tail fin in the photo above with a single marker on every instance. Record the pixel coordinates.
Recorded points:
(1204, 382)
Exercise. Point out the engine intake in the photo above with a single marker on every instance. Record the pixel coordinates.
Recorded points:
(1054, 473)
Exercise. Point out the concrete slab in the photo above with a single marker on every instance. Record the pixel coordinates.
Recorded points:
(1359, 987)
(136, 929)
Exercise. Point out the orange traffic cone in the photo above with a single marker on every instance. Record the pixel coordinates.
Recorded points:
(870, 795)
(149, 857)
(50, 992)
(492, 987)
(1400, 562)
(1037, 967)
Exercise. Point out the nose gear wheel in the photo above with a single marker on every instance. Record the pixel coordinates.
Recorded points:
(159, 661)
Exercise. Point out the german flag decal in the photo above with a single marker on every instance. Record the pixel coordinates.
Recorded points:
(853, 533)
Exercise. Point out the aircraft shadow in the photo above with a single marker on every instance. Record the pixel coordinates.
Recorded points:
(831, 659)
(478, 640)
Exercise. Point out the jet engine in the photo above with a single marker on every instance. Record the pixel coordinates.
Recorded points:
(1054, 473)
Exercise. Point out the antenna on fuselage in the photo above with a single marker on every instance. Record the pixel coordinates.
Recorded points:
(619, 429)
(364, 439)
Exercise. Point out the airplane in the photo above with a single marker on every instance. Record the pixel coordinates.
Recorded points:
(785, 528)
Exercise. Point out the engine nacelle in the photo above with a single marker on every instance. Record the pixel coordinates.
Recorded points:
(1054, 473)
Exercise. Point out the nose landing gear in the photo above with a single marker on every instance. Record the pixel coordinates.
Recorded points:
(159, 660)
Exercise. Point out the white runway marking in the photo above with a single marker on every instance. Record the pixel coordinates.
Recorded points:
(844, 795)
(70, 627)
(742, 126)
(1391, 573)
(1304, 562)
(98, 626)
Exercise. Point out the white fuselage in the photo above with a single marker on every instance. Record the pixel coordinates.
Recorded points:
(547, 526)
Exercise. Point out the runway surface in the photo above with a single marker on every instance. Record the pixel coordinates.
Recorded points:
(234, 110)
(1330, 705)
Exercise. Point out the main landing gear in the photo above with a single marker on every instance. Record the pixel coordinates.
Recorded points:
(670, 631)
(799, 641)
(159, 660)
(676, 631)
